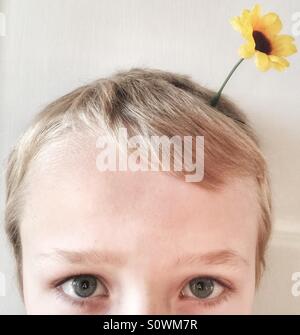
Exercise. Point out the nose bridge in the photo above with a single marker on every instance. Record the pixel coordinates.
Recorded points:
(143, 286)
(142, 297)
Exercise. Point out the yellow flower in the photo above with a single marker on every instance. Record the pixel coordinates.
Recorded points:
(263, 40)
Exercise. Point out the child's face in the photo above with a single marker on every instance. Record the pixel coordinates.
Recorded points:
(134, 242)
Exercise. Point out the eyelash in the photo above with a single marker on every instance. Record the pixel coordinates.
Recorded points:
(84, 302)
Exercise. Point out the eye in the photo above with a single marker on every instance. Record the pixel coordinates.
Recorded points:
(203, 288)
(83, 286)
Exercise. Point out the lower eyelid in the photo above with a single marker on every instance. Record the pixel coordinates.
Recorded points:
(80, 302)
(209, 302)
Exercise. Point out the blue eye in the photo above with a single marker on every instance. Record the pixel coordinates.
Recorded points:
(203, 288)
(83, 286)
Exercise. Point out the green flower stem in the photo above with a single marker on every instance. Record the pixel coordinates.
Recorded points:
(216, 97)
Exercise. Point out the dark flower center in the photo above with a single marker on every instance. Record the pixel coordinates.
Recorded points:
(261, 42)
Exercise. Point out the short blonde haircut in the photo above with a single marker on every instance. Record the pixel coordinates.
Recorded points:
(147, 101)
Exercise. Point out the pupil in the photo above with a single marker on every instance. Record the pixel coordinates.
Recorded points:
(84, 286)
(202, 288)
(261, 42)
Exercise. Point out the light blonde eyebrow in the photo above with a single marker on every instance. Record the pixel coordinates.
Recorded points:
(218, 257)
(86, 257)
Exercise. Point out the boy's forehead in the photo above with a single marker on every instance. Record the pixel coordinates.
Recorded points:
(70, 198)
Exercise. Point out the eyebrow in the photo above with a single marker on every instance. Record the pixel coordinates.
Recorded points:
(86, 257)
(219, 257)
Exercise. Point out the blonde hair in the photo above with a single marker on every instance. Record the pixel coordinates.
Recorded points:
(147, 101)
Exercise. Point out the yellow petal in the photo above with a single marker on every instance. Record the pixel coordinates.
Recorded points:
(246, 15)
(262, 61)
(247, 50)
(283, 46)
(256, 10)
(255, 14)
(242, 23)
(236, 23)
(279, 63)
(271, 24)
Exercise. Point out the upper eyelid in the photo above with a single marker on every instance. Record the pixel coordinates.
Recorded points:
(63, 280)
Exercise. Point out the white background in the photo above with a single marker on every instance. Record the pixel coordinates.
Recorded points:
(53, 46)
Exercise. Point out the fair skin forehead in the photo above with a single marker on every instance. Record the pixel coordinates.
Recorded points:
(146, 234)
